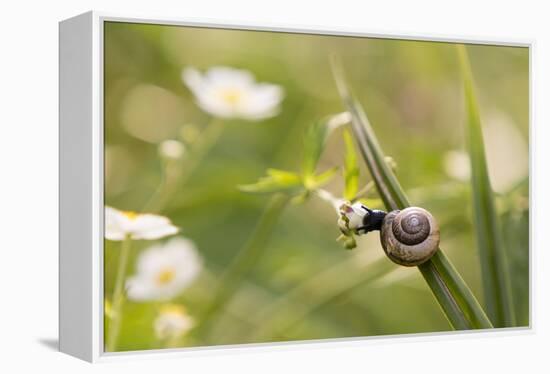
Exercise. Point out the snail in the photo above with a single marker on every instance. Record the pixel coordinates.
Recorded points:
(409, 237)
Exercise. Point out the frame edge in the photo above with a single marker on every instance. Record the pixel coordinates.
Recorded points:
(76, 312)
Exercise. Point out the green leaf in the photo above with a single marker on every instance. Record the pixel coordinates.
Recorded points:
(315, 181)
(283, 177)
(455, 298)
(315, 140)
(492, 255)
(275, 181)
(351, 169)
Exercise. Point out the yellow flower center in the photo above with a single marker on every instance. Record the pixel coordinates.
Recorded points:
(232, 96)
(166, 276)
(130, 215)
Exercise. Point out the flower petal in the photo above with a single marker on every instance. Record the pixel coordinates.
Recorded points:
(263, 102)
(115, 224)
(211, 102)
(229, 77)
(193, 79)
(232, 93)
(152, 226)
(172, 322)
(138, 289)
(178, 256)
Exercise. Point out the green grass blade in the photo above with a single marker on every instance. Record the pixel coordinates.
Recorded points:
(386, 182)
(495, 274)
(440, 267)
(443, 294)
(455, 298)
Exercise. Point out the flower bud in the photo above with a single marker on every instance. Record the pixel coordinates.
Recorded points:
(351, 217)
(171, 149)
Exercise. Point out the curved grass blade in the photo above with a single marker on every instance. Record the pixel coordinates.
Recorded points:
(495, 273)
(306, 297)
(391, 193)
(455, 298)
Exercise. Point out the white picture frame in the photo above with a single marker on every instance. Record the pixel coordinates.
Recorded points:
(81, 180)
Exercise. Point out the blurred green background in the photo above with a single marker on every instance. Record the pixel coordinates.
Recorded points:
(412, 93)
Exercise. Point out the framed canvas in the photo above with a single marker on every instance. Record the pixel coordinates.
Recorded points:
(228, 185)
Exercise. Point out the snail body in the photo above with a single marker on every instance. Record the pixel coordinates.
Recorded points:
(410, 236)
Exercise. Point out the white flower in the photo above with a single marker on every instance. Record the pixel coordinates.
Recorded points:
(163, 271)
(119, 224)
(171, 149)
(232, 93)
(351, 216)
(172, 322)
(506, 152)
(457, 165)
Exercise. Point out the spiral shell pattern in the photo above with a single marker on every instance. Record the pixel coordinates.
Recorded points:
(410, 236)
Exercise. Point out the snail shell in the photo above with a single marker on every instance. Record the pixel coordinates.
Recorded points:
(410, 236)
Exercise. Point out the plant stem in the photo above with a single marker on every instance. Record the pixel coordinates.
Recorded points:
(453, 288)
(174, 179)
(245, 259)
(118, 295)
(331, 199)
(154, 201)
(455, 298)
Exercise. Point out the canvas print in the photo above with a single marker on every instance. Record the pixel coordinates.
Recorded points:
(265, 187)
